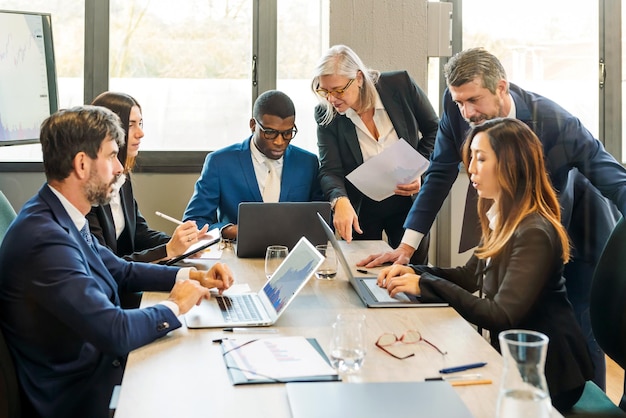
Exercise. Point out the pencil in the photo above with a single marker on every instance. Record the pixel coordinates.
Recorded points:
(169, 218)
(470, 382)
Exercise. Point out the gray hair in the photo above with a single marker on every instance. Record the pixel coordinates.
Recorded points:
(343, 61)
(466, 65)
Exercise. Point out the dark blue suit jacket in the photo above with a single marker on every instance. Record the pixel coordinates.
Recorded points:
(567, 145)
(59, 310)
(228, 179)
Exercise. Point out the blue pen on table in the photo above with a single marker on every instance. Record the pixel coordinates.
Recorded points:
(462, 368)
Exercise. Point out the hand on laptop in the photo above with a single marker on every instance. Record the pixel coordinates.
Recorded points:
(399, 278)
(219, 276)
(187, 293)
(401, 255)
(345, 219)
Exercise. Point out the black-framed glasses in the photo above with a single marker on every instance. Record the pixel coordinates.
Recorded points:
(409, 337)
(338, 93)
(273, 133)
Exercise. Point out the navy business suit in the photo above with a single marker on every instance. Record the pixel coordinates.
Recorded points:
(523, 288)
(413, 119)
(580, 169)
(228, 179)
(60, 313)
(137, 242)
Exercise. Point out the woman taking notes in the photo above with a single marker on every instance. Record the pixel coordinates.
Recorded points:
(119, 225)
(517, 268)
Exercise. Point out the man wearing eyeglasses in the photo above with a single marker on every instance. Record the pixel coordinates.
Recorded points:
(265, 167)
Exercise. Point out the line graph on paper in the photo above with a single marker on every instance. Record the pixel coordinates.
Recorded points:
(23, 77)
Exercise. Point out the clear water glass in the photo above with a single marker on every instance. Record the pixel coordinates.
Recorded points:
(274, 256)
(347, 346)
(328, 269)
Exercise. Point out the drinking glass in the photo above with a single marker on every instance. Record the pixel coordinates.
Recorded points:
(274, 255)
(328, 269)
(523, 390)
(347, 346)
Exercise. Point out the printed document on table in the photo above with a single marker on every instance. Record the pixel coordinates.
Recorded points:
(399, 164)
(279, 358)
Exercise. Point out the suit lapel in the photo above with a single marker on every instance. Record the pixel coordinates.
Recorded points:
(346, 129)
(92, 258)
(128, 207)
(247, 170)
(389, 97)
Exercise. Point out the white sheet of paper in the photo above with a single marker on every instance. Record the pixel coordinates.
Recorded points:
(279, 358)
(399, 164)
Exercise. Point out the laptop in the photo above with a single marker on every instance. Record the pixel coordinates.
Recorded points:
(260, 225)
(370, 293)
(265, 307)
(375, 400)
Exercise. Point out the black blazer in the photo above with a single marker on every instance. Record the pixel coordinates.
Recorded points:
(411, 114)
(137, 242)
(523, 288)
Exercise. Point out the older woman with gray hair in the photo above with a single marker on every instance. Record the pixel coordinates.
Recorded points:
(361, 113)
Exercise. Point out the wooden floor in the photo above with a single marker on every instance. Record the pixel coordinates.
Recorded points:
(614, 380)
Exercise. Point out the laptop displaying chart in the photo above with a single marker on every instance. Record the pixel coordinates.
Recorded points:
(266, 306)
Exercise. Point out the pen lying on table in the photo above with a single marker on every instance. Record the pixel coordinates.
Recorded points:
(462, 380)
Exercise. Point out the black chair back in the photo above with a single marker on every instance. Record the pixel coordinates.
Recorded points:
(608, 297)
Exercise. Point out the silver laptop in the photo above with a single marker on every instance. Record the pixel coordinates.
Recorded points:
(375, 400)
(266, 306)
(261, 224)
(370, 293)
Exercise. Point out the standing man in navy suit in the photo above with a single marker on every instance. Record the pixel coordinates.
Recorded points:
(584, 174)
(265, 167)
(59, 288)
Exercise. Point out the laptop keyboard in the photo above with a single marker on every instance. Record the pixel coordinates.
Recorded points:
(238, 309)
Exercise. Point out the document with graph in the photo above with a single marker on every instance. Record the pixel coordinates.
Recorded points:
(276, 360)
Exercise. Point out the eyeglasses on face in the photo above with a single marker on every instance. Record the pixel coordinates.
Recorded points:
(409, 337)
(338, 93)
(273, 133)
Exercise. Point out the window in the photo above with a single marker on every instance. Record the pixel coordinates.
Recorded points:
(188, 66)
(553, 53)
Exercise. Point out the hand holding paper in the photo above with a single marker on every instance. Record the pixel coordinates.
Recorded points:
(378, 177)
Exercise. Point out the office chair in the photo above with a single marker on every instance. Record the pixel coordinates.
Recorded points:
(608, 321)
(7, 214)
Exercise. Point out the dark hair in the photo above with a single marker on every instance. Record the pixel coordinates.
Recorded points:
(466, 65)
(524, 184)
(273, 102)
(121, 104)
(70, 131)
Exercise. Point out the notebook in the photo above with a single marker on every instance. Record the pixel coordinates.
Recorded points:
(260, 225)
(370, 293)
(375, 400)
(265, 307)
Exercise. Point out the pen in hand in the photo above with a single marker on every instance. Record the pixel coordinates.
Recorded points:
(169, 218)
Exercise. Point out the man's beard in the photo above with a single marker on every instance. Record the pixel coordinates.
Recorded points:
(98, 192)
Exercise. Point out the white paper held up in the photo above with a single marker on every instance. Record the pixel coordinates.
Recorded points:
(399, 164)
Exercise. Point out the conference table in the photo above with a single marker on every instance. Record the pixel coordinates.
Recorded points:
(183, 374)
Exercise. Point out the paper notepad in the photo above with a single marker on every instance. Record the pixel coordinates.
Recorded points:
(279, 359)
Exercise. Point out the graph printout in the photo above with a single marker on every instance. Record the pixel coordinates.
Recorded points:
(24, 100)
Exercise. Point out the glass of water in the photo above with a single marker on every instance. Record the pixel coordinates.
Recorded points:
(347, 346)
(274, 256)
